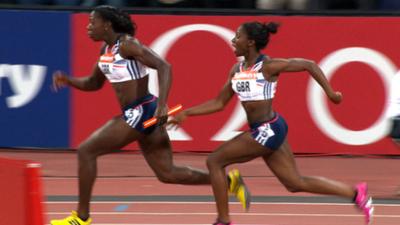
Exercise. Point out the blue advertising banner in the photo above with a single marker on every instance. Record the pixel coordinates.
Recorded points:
(33, 45)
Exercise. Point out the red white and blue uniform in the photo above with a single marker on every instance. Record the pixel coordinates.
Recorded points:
(118, 69)
(251, 85)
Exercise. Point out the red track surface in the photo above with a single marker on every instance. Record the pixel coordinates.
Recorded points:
(128, 175)
(204, 213)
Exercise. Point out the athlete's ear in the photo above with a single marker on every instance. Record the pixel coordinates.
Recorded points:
(251, 43)
(107, 26)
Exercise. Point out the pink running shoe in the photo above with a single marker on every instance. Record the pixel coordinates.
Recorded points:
(364, 202)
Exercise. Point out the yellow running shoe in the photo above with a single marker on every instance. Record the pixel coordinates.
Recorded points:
(71, 220)
(239, 189)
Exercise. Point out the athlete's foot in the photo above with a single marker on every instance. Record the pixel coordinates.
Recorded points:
(239, 188)
(71, 220)
(364, 202)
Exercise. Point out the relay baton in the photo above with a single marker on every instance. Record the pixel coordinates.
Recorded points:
(153, 120)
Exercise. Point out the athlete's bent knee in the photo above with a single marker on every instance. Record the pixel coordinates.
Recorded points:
(293, 189)
(85, 153)
(165, 179)
(213, 162)
(294, 186)
(168, 177)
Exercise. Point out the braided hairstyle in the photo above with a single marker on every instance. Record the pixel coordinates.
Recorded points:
(120, 20)
(260, 32)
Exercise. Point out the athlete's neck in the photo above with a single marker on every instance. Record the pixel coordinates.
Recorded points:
(112, 39)
(250, 59)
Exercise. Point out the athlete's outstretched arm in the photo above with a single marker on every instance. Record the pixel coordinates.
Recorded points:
(214, 105)
(92, 82)
(276, 66)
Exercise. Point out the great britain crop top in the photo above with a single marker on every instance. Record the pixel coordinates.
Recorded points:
(250, 84)
(118, 69)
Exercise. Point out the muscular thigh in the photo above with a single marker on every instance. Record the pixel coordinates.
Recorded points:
(156, 148)
(113, 135)
(240, 149)
(283, 164)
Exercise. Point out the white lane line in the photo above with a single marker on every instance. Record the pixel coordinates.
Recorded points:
(212, 203)
(161, 224)
(234, 214)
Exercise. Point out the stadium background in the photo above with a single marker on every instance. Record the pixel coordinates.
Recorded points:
(359, 51)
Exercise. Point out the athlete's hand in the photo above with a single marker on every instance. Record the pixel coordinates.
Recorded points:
(60, 80)
(336, 97)
(161, 114)
(175, 121)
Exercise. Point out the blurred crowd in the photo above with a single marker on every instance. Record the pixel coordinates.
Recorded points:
(390, 5)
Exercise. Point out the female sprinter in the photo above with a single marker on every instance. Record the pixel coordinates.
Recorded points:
(123, 62)
(254, 80)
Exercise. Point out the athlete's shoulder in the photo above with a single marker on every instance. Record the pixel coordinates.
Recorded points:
(267, 59)
(272, 61)
(130, 46)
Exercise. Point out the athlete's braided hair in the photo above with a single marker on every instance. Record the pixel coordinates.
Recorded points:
(260, 32)
(120, 20)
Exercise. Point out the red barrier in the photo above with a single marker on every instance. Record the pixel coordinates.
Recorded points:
(20, 193)
(34, 195)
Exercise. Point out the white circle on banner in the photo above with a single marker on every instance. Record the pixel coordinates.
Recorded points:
(318, 106)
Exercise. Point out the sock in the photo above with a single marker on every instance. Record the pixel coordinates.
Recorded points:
(84, 219)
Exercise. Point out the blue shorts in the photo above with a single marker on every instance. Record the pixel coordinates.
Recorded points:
(139, 111)
(270, 134)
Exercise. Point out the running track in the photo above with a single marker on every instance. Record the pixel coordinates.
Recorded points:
(191, 212)
(127, 193)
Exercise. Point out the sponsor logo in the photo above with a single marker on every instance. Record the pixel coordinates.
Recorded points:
(25, 82)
